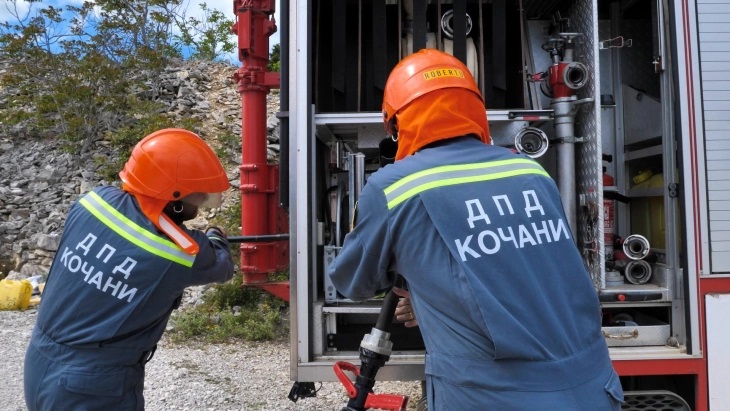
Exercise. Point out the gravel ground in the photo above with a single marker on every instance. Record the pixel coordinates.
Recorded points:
(197, 377)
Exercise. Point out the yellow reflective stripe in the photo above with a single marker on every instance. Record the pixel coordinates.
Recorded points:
(458, 167)
(134, 233)
(421, 181)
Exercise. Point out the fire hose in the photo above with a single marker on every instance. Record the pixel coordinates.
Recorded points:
(375, 350)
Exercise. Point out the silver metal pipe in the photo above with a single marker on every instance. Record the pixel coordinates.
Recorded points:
(564, 130)
(338, 214)
(359, 174)
(355, 179)
(565, 109)
(566, 183)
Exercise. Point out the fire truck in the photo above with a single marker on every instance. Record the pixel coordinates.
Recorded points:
(626, 103)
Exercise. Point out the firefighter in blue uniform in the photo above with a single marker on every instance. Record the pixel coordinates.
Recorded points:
(507, 310)
(123, 262)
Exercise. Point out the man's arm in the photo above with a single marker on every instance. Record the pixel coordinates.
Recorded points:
(361, 267)
(213, 262)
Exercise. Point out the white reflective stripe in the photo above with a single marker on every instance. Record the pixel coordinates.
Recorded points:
(133, 232)
(174, 232)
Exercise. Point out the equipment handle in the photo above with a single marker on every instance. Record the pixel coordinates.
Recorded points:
(340, 367)
(633, 334)
(607, 297)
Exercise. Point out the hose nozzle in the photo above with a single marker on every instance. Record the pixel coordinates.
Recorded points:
(637, 271)
(575, 75)
(532, 142)
(636, 247)
(447, 24)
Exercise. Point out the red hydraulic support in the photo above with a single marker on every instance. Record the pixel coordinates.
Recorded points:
(260, 214)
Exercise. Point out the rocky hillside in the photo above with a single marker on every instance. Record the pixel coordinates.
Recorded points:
(39, 181)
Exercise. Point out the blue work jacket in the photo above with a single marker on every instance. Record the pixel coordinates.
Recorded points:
(111, 289)
(506, 307)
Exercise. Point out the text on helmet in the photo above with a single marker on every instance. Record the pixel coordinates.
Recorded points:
(444, 72)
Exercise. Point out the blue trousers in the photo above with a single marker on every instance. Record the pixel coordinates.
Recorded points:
(602, 393)
(51, 385)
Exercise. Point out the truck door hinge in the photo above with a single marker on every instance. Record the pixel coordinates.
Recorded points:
(673, 190)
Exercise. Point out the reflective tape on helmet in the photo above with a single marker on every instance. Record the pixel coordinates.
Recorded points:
(134, 233)
(442, 176)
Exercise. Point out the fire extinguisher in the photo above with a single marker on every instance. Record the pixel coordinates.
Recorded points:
(609, 209)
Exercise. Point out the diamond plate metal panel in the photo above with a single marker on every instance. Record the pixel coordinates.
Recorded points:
(643, 330)
(503, 133)
(584, 19)
(653, 401)
(369, 135)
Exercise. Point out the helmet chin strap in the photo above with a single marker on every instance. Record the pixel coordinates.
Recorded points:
(393, 125)
(179, 211)
(153, 209)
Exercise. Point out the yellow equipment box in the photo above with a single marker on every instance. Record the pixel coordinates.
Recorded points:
(15, 295)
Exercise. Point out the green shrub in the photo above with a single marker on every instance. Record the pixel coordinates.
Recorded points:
(274, 63)
(231, 311)
(229, 145)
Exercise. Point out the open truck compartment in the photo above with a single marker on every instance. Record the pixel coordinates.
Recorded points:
(585, 87)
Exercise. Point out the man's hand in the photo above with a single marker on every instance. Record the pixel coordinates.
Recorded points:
(216, 233)
(404, 310)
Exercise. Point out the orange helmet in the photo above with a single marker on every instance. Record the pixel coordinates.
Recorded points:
(419, 74)
(173, 165)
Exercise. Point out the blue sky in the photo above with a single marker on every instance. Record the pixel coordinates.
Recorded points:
(226, 6)
(5, 14)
